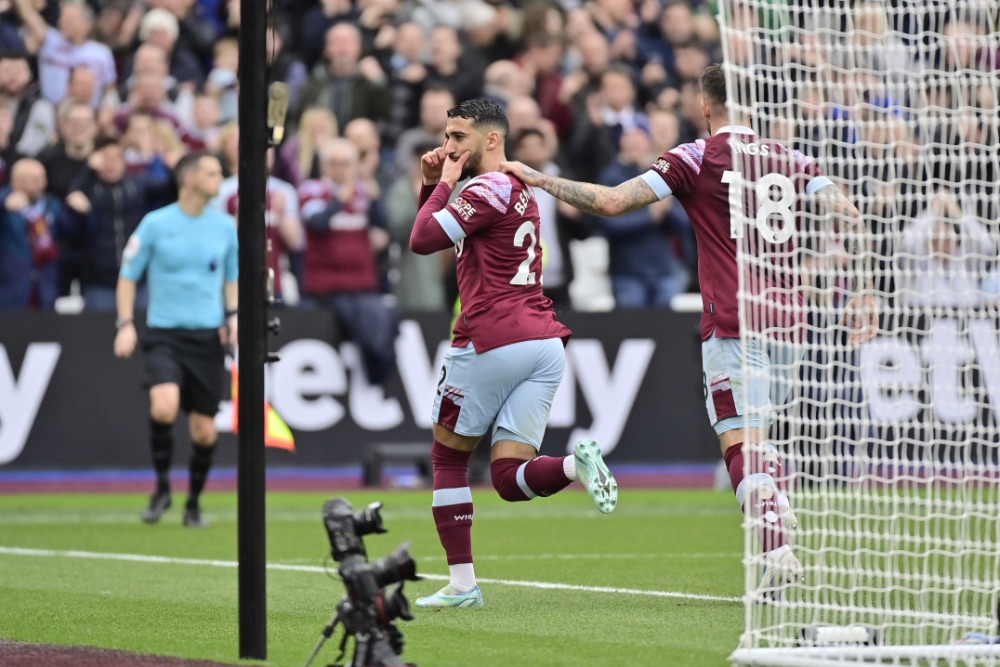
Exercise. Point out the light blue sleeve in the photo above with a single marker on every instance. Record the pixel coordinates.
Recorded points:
(232, 254)
(138, 250)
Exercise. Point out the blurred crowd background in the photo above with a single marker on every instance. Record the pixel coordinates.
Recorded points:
(99, 99)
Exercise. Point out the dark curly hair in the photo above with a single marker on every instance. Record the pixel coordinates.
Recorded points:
(482, 112)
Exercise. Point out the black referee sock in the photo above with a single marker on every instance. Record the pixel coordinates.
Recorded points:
(201, 463)
(161, 439)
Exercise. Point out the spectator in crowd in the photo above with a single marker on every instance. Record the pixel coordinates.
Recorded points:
(419, 284)
(188, 253)
(943, 255)
(298, 157)
(451, 67)
(609, 112)
(205, 121)
(61, 49)
(283, 227)
(345, 232)
(12, 33)
(284, 64)
(541, 62)
(160, 28)
(504, 80)
(150, 146)
(81, 87)
(377, 173)
(104, 207)
(404, 66)
(195, 34)
(222, 80)
(434, 105)
(660, 29)
(645, 269)
(486, 27)
(34, 117)
(63, 162)
(523, 113)
(588, 58)
(315, 27)
(341, 85)
(149, 59)
(149, 95)
(612, 17)
(8, 152)
(30, 223)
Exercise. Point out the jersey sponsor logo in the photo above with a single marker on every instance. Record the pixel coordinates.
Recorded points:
(661, 166)
(464, 209)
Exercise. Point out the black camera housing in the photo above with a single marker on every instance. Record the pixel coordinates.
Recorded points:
(345, 527)
(367, 612)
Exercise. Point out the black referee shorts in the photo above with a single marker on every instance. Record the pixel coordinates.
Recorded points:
(193, 359)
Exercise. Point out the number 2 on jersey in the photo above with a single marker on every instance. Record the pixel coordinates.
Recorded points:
(767, 207)
(524, 275)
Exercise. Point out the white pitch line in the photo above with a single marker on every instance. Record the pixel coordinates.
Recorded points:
(488, 513)
(140, 558)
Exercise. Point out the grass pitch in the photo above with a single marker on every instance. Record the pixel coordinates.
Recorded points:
(654, 584)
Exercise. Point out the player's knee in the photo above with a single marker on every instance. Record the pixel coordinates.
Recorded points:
(504, 475)
(163, 412)
(203, 432)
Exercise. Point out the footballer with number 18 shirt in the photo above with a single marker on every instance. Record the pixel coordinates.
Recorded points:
(712, 178)
(507, 355)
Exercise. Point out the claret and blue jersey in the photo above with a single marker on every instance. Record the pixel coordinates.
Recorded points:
(495, 226)
(703, 176)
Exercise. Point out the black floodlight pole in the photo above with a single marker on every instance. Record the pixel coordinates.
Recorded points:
(252, 330)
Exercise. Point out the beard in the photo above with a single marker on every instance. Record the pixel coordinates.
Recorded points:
(472, 165)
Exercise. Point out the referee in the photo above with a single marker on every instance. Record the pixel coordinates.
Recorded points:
(188, 252)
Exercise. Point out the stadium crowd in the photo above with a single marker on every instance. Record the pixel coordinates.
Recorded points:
(99, 99)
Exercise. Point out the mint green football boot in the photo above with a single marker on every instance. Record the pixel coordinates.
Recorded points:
(595, 476)
(449, 597)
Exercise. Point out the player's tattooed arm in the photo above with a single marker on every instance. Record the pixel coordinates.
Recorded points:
(861, 313)
(848, 221)
(588, 197)
(832, 200)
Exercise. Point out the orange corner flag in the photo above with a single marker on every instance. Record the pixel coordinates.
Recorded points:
(276, 431)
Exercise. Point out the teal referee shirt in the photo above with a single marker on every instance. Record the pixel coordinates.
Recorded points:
(187, 261)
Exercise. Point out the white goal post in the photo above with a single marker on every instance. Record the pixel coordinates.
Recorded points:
(891, 448)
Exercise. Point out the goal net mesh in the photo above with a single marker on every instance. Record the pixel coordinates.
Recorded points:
(889, 448)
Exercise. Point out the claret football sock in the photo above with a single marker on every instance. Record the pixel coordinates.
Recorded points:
(452, 504)
(758, 497)
(515, 479)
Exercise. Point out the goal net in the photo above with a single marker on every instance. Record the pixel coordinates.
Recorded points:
(889, 448)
